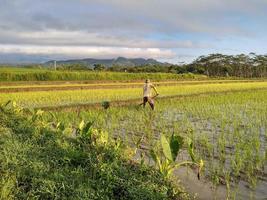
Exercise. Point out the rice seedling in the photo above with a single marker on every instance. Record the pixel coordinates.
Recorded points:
(227, 130)
(74, 97)
(227, 127)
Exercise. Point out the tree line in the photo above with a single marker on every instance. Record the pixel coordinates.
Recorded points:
(241, 65)
(248, 66)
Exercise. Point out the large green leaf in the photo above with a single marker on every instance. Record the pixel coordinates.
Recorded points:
(81, 125)
(156, 159)
(60, 126)
(86, 127)
(191, 150)
(104, 137)
(176, 143)
(39, 112)
(166, 147)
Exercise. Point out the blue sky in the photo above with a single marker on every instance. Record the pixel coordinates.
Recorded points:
(171, 30)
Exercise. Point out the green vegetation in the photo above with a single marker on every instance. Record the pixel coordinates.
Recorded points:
(53, 85)
(72, 97)
(44, 160)
(28, 74)
(217, 130)
(227, 131)
(242, 65)
(213, 65)
(218, 65)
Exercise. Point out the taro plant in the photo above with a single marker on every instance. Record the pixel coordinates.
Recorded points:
(166, 162)
(86, 132)
(36, 115)
(11, 105)
(99, 136)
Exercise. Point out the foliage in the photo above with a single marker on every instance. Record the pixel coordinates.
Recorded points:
(219, 65)
(227, 131)
(226, 127)
(167, 163)
(52, 98)
(31, 74)
(99, 67)
(242, 65)
(40, 161)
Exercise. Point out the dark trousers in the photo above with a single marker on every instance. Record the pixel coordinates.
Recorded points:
(150, 101)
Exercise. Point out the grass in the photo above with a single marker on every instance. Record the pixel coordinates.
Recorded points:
(70, 84)
(70, 97)
(24, 74)
(41, 162)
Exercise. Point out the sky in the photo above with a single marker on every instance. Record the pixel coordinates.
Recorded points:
(172, 31)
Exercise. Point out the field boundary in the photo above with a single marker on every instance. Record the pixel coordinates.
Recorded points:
(115, 86)
(134, 102)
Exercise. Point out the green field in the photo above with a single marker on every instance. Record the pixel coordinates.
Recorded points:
(41, 162)
(130, 152)
(228, 130)
(90, 96)
(28, 74)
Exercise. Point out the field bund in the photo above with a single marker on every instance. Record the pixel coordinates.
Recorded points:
(35, 96)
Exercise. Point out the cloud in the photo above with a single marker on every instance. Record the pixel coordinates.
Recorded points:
(132, 17)
(115, 26)
(62, 38)
(83, 51)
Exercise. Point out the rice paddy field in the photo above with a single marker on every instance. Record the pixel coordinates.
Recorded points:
(226, 120)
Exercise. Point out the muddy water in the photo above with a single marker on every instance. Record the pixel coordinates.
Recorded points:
(200, 189)
(243, 189)
(204, 189)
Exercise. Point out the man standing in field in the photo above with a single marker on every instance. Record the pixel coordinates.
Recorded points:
(147, 94)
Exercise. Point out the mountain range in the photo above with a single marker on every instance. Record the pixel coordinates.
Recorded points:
(120, 61)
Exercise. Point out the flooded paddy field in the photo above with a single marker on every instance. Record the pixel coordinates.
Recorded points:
(225, 122)
(228, 130)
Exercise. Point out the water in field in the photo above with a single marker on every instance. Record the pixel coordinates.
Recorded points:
(241, 188)
(221, 141)
(229, 133)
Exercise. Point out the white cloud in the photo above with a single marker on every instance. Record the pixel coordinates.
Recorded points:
(147, 28)
(83, 51)
(82, 38)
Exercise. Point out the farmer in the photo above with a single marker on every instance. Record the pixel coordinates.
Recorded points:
(148, 94)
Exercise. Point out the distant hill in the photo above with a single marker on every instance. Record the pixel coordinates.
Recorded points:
(120, 61)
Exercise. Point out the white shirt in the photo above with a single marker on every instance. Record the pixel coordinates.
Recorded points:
(147, 89)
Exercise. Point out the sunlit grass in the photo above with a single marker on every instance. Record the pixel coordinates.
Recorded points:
(54, 98)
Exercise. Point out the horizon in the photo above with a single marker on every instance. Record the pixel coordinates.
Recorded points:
(19, 63)
(170, 31)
